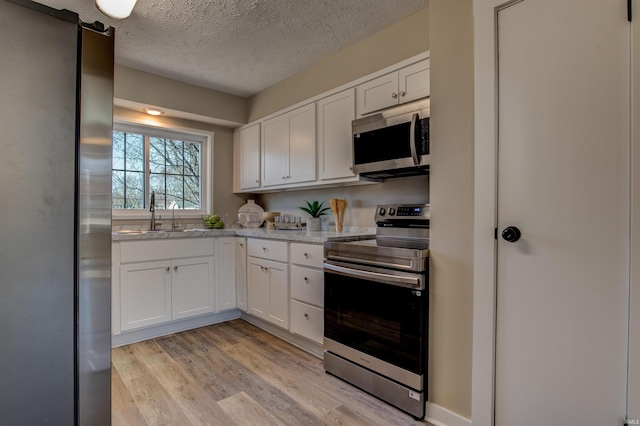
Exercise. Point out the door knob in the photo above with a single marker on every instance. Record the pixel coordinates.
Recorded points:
(511, 234)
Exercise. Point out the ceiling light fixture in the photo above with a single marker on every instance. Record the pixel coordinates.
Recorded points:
(153, 111)
(118, 9)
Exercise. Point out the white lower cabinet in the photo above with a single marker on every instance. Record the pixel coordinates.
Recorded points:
(193, 289)
(268, 290)
(145, 294)
(226, 268)
(165, 280)
(307, 291)
(268, 281)
(307, 321)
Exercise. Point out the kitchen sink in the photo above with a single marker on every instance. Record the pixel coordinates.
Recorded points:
(147, 231)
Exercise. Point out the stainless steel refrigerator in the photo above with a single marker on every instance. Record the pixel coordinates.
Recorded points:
(56, 109)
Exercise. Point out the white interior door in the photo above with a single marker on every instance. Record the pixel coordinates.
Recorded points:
(563, 180)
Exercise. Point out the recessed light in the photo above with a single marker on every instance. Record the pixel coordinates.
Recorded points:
(153, 111)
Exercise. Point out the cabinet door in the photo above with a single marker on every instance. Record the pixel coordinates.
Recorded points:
(145, 294)
(302, 145)
(250, 157)
(335, 115)
(226, 279)
(193, 287)
(257, 288)
(379, 93)
(275, 150)
(241, 273)
(278, 293)
(414, 82)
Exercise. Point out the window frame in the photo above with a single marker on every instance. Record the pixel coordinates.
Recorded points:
(174, 132)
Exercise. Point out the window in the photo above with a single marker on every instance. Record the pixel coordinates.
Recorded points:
(169, 163)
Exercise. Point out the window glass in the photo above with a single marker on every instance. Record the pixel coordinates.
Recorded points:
(170, 165)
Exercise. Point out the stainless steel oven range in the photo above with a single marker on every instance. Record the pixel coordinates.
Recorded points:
(376, 308)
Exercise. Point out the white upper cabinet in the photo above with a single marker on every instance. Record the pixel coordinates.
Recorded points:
(405, 85)
(250, 157)
(335, 154)
(310, 144)
(289, 147)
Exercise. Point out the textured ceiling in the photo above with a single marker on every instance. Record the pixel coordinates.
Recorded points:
(239, 46)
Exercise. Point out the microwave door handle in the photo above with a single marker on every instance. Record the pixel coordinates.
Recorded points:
(412, 139)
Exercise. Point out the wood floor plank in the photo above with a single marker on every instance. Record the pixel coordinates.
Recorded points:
(245, 411)
(316, 400)
(124, 410)
(236, 374)
(188, 395)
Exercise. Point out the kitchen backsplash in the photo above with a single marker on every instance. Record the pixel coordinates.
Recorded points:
(362, 199)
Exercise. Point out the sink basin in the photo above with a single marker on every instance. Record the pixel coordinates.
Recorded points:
(147, 231)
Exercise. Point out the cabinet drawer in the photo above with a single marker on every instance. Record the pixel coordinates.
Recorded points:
(307, 321)
(307, 285)
(267, 249)
(307, 254)
(157, 249)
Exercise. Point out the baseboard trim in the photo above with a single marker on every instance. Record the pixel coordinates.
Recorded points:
(440, 416)
(134, 336)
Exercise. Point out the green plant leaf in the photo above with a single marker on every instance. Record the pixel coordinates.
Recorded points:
(315, 209)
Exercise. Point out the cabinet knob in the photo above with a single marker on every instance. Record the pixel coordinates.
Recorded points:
(402, 93)
(175, 268)
(266, 269)
(257, 181)
(241, 245)
(306, 279)
(394, 95)
(167, 269)
(306, 316)
(306, 255)
(264, 249)
(350, 167)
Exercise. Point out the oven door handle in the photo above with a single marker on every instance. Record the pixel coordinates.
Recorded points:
(410, 266)
(402, 281)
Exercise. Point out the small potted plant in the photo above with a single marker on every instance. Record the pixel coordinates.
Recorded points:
(315, 210)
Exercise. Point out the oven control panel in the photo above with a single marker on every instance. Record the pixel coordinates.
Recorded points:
(402, 212)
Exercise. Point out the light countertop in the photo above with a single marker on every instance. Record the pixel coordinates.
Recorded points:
(350, 233)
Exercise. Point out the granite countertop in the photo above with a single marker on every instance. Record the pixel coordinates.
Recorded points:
(350, 233)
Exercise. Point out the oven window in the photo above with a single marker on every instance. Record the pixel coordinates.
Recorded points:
(384, 321)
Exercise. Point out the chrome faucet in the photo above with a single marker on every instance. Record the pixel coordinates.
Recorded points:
(173, 217)
(152, 209)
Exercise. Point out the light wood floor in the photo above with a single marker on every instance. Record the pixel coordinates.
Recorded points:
(235, 374)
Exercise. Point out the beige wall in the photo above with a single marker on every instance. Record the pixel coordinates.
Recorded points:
(403, 40)
(452, 185)
(224, 200)
(135, 90)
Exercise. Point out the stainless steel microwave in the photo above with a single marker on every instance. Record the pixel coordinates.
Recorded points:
(393, 142)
